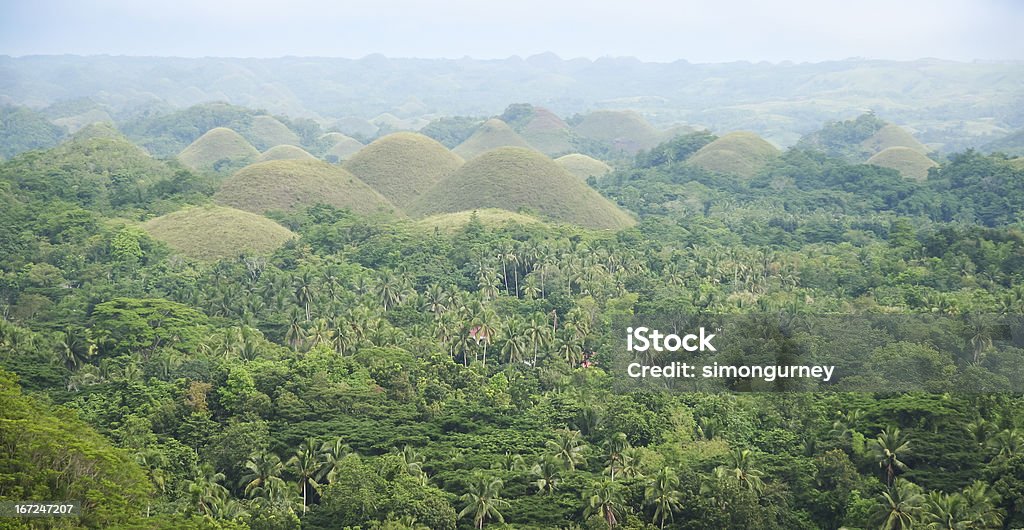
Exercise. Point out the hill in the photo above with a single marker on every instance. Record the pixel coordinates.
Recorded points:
(1011, 144)
(891, 136)
(541, 128)
(341, 148)
(909, 162)
(285, 152)
(518, 178)
(23, 129)
(266, 131)
(492, 134)
(290, 185)
(402, 166)
(620, 130)
(583, 166)
(209, 233)
(739, 153)
(220, 149)
(493, 217)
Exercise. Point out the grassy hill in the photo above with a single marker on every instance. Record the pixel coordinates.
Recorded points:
(402, 166)
(739, 153)
(541, 128)
(220, 149)
(492, 134)
(583, 166)
(518, 178)
(1012, 144)
(909, 162)
(209, 233)
(493, 217)
(341, 148)
(621, 130)
(266, 131)
(891, 136)
(294, 184)
(285, 152)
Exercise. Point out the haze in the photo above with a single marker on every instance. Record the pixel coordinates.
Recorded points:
(663, 30)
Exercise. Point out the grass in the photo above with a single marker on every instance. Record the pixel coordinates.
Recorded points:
(285, 152)
(209, 233)
(1011, 144)
(909, 162)
(266, 132)
(546, 132)
(492, 134)
(1017, 163)
(403, 166)
(891, 136)
(583, 166)
(738, 153)
(220, 149)
(290, 185)
(622, 130)
(342, 146)
(494, 217)
(519, 179)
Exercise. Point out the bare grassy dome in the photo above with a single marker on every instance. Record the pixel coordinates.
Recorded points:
(216, 149)
(739, 153)
(492, 134)
(909, 162)
(583, 166)
(403, 166)
(209, 233)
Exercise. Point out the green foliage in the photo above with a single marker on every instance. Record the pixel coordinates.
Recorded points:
(22, 129)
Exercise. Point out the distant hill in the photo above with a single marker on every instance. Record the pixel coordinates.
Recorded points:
(583, 166)
(353, 126)
(621, 130)
(892, 136)
(289, 185)
(487, 216)
(285, 152)
(1011, 144)
(403, 166)
(341, 147)
(541, 128)
(76, 122)
(209, 233)
(23, 129)
(844, 138)
(165, 135)
(266, 131)
(737, 153)
(518, 178)
(492, 134)
(909, 162)
(220, 149)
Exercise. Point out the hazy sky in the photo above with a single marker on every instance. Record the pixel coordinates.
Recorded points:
(659, 30)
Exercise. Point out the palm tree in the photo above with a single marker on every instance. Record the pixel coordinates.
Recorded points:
(483, 500)
(537, 334)
(1007, 443)
(153, 461)
(567, 448)
(319, 333)
(295, 333)
(75, 349)
(605, 500)
(305, 465)
(435, 300)
(663, 493)
(414, 462)
(615, 446)
(303, 285)
(548, 473)
(899, 506)
(888, 448)
(259, 468)
(205, 490)
(982, 507)
(741, 468)
(515, 340)
(331, 453)
(484, 324)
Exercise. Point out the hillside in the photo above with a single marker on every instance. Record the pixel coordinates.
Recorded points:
(289, 185)
(517, 178)
(620, 130)
(266, 131)
(220, 149)
(737, 153)
(1011, 144)
(209, 233)
(492, 217)
(891, 136)
(492, 134)
(909, 162)
(583, 166)
(285, 152)
(541, 128)
(23, 129)
(403, 166)
(342, 147)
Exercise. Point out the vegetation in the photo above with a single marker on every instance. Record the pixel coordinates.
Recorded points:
(542, 129)
(489, 217)
(619, 131)
(221, 150)
(583, 166)
(403, 166)
(891, 136)
(266, 132)
(908, 162)
(341, 147)
(738, 153)
(493, 134)
(22, 130)
(209, 233)
(285, 152)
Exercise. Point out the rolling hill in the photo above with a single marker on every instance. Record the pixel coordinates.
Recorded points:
(1011, 144)
(341, 148)
(583, 166)
(909, 162)
(739, 153)
(620, 130)
(220, 149)
(541, 128)
(289, 185)
(209, 233)
(266, 131)
(402, 166)
(285, 152)
(492, 134)
(488, 216)
(518, 178)
(891, 136)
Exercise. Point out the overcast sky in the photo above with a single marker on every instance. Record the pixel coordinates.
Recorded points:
(659, 30)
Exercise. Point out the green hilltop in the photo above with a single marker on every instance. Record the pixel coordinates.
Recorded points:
(266, 131)
(209, 233)
(892, 136)
(285, 152)
(1011, 144)
(492, 134)
(583, 166)
(493, 217)
(620, 130)
(909, 162)
(290, 185)
(341, 147)
(402, 166)
(220, 149)
(518, 178)
(740, 153)
(540, 128)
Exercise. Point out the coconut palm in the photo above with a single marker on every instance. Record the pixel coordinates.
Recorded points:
(538, 334)
(615, 446)
(515, 340)
(567, 448)
(605, 501)
(548, 473)
(898, 506)
(305, 465)
(483, 500)
(741, 468)
(662, 492)
(888, 448)
(260, 467)
(331, 453)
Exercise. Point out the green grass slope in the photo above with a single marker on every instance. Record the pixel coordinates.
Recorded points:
(493, 217)
(583, 166)
(285, 152)
(220, 149)
(739, 153)
(402, 166)
(540, 127)
(209, 233)
(341, 148)
(492, 134)
(290, 185)
(909, 162)
(621, 130)
(891, 136)
(266, 132)
(518, 178)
